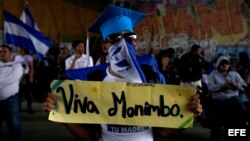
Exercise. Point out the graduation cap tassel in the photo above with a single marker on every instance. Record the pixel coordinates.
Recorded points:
(87, 48)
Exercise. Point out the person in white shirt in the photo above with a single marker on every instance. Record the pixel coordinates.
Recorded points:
(123, 68)
(26, 60)
(79, 59)
(10, 75)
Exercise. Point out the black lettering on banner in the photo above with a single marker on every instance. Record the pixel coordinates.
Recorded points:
(130, 111)
(146, 109)
(113, 111)
(78, 102)
(67, 104)
(138, 110)
(177, 108)
(166, 110)
(154, 108)
(85, 106)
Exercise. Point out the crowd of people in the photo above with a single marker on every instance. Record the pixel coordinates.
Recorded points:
(222, 81)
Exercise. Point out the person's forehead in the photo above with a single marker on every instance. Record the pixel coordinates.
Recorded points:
(80, 44)
(199, 49)
(224, 61)
(4, 49)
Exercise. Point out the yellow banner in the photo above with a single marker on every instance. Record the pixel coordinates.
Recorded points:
(122, 103)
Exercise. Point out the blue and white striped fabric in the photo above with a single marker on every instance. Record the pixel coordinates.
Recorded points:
(27, 18)
(122, 57)
(150, 60)
(83, 73)
(19, 34)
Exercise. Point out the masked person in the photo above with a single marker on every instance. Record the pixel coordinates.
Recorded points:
(116, 26)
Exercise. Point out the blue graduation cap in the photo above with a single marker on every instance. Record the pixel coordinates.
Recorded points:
(115, 20)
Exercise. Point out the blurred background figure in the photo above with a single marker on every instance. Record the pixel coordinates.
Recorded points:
(64, 54)
(79, 59)
(10, 75)
(46, 72)
(191, 66)
(154, 49)
(25, 59)
(167, 65)
(227, 106)
(103, 55)
(243, 65)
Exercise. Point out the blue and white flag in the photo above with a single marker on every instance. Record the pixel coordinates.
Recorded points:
(151, 61)
(87, 73)
(122, 57)
(19, 34)
(27, 18)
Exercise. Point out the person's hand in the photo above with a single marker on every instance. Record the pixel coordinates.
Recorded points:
(50, 102)
(77, 56)
(226, 86)
(231, 85)
(195, 105)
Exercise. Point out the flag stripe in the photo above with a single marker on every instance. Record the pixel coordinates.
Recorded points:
(82, 73)
(28, 19)
(132, 56)
(151, 61)
(15, 31)
(12, 19)
(19, 41)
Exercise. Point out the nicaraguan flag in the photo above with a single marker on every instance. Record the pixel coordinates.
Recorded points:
(19, 34)
(150, 60)
(95, 73)
(123, 61)
(27, 18)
